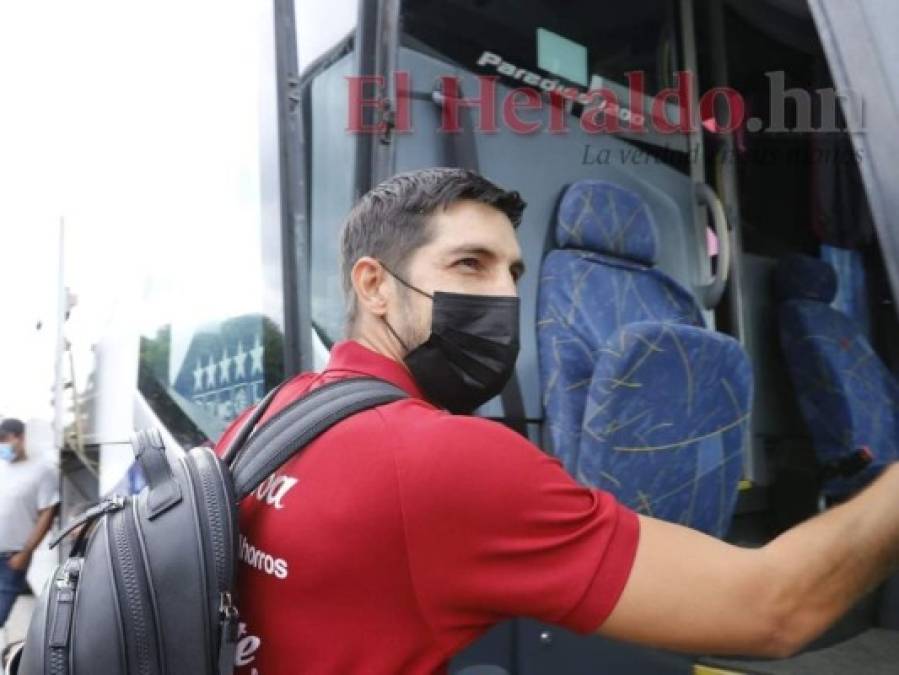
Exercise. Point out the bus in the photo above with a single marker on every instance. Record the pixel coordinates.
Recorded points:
(752, 142)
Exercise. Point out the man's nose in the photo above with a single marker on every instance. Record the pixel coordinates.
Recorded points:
(505, 284)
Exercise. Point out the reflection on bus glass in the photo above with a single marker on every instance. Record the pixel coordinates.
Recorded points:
(332, 161)
(200, 378)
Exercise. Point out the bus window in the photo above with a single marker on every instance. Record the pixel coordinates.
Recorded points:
(321, 26)
(332, 159)
(326, 59)
(210, 317)
(533, 44)
(584, 40)
(197, 377)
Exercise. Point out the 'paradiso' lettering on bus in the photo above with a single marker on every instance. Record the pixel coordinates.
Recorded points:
(602, 111)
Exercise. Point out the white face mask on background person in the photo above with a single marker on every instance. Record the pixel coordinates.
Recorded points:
(7, 452)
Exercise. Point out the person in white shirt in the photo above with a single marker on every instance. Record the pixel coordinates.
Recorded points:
(29, 495)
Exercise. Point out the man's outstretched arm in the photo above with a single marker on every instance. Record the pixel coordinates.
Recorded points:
(690, 592)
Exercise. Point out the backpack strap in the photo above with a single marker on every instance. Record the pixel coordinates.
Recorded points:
(239, 438)
(291, 429)
(149, 450)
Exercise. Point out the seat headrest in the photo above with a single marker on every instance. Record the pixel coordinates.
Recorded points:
(801, 277)
(600, 216)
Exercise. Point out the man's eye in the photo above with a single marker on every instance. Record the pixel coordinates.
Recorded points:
(471, 263)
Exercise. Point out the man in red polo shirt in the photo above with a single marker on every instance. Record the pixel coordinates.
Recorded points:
(405, 532)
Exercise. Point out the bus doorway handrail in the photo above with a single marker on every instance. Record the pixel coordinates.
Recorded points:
(710, 294)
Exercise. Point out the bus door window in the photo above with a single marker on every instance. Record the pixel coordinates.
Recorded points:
(523, 43)
(326, 58)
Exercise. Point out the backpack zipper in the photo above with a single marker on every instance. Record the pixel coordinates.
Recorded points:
(228, 632)
(114, 503)
(60, 628)
(217, 527)
(229, 616)
(215, 534)
(131, 587)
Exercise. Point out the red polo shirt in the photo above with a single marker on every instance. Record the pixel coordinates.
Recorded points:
(403, 533)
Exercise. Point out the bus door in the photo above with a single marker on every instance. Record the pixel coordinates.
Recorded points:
(416, 47)
(492, 50)
(564, 51)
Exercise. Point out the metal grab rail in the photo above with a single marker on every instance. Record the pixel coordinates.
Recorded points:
(710, 293)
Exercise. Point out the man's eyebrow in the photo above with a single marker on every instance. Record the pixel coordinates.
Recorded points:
(517, 264)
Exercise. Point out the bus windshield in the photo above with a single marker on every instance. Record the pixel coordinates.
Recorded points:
(578, 45)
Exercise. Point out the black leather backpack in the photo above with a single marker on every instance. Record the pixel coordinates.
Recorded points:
(149, 586)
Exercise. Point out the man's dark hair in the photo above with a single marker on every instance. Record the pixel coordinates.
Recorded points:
(11, 427)
(391, 221)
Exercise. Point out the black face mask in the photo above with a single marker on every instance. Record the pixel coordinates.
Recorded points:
(471, 352)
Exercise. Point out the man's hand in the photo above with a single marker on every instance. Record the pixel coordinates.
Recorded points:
(20, 561)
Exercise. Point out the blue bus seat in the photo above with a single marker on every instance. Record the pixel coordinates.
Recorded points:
(601, 276)
(640, 399)
(848, 397)
(665, 422)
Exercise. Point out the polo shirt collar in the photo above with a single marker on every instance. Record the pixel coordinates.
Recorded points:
(351, 356)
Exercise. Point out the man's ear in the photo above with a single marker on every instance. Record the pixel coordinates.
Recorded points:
(370, 285)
